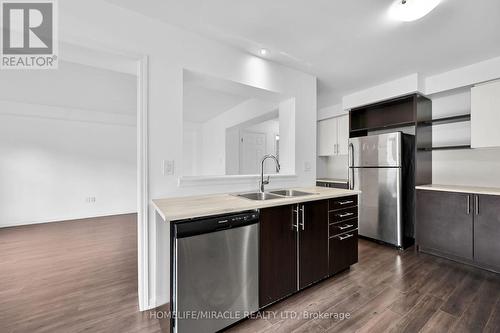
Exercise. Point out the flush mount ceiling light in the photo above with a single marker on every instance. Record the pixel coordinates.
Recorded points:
(263, 52)
(411, 10)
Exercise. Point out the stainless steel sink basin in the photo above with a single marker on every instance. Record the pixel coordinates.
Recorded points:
(259, 196)
(290, 193)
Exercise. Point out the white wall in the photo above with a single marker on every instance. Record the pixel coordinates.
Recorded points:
(170, 50)
(73, 86)
(213, 132)
(333, 167)
(192, 145)
(73, 138)
(49, 167)
(474, 167)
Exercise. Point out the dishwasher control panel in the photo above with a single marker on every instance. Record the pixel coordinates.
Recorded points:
(192, 227)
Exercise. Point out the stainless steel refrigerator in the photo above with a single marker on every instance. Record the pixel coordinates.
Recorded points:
(382, 168)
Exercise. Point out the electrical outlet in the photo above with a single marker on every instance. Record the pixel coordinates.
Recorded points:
(307, 166)
(168, 167)
(90, 199)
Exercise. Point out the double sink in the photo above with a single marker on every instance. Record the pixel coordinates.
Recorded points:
(279, 194)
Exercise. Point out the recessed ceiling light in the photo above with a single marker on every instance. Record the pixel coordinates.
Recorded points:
(263, 52)
(411, 10)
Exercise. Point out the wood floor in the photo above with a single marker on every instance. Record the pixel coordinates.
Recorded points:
(81, 276)
(389, 291)
(75, 276)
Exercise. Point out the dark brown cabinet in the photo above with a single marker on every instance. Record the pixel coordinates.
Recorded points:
(487, 230)
(277, 254)
(343, 234)
(313, 242)
(344, 251)
(445, 223)
(298, 247)
(460, 226)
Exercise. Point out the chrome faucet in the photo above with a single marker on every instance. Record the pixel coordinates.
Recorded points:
(262, 181)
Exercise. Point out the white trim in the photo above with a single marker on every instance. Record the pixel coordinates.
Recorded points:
(331, 111)
(142, 61)
(143, 184)
(400, 87)
(185, 181)
(466, 76)
(65, 218)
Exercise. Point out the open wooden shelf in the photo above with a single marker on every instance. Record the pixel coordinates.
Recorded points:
(446, 120)
(396, 125)
(445, 148)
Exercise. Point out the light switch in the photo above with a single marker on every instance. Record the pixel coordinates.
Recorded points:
(307, 166)
(168, 167)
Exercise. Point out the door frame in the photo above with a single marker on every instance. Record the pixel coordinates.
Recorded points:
(143, 232)
(144, 255)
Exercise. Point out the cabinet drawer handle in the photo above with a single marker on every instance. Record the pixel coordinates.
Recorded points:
(303, 224)
(345, 202)
(345, 215)
(346, 237)
(347, 226)
(296, 226)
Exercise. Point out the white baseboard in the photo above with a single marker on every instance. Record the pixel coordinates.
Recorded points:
(66, 218)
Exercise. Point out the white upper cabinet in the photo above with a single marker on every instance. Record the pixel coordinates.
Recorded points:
(327, 137)
(333, 136)
(343, 135)
(485, 115)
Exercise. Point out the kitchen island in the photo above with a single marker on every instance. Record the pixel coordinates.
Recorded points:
(237, 255)
(179, 208)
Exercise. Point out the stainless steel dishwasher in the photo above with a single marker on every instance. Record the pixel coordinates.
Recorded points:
(215, 271)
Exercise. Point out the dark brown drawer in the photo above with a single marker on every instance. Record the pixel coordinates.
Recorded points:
(343, 251)
(342, 227)
(343, 214)
(344, 202)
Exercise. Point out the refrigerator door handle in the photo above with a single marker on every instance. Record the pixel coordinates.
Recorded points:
(351, 162)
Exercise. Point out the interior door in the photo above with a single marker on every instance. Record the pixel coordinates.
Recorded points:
(379, 203)
(313, 242)
(253, 148)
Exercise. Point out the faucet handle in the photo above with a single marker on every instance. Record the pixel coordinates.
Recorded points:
(267, 180)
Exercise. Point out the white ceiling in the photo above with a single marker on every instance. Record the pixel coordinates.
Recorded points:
(202, 104)
(73, 86)
(349, 45)
(205, 97)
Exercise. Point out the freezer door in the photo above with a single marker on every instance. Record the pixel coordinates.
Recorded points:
(382, 150)
(379, 203)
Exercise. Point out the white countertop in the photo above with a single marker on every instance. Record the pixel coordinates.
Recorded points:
(460, 189)
(333, 180)
(172, 209)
